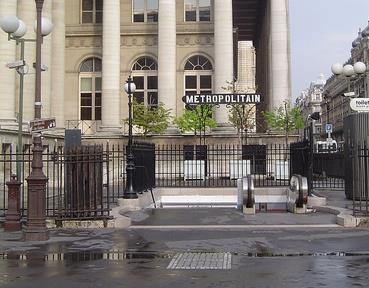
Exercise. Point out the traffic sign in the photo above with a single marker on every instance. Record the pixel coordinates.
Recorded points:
(39, 125)
(328, 128)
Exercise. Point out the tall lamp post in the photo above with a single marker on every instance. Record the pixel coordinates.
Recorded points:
(36, 218)
(129, 192)
(16, 30)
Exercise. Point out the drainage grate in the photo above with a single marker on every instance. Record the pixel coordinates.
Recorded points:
(200, 261)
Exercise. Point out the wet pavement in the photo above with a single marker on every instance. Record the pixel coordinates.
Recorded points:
(260, 257)
(193, 248)
(223, 216)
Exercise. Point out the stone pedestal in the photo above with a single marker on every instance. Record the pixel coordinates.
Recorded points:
(12, 215)
(249, 211)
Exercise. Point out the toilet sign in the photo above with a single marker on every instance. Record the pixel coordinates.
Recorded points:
(360, 104)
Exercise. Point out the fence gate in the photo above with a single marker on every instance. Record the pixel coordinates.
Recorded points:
(84, 189)
(328, 165)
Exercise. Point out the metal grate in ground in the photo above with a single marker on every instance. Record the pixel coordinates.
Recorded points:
(201, 261)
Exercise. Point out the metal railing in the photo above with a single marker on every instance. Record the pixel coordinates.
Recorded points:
(358, 181)
(87, 127)
(328, 171)
(221, 165)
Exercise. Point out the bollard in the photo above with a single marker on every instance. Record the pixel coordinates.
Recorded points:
(12, 215)
(248, 191)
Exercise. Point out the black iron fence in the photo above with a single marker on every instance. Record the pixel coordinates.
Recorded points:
(82, 182)
(358, 181)
(76, 186)
(221, 165)
(328, 165)
(328, 170)
(144, 159)
(85, 183)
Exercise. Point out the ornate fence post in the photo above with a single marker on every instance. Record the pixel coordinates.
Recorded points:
(12, 216)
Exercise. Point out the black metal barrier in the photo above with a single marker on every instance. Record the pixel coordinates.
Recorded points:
(144, 159)
(328, 166)
(83, 177)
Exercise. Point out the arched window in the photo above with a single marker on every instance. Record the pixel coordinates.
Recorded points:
(145, 76)
(90, 89)
(198, 75)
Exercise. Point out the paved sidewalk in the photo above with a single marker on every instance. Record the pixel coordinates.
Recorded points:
(223, 217)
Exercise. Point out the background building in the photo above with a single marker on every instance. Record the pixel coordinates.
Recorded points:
(335, 107)
(310, 100)
(169, 47)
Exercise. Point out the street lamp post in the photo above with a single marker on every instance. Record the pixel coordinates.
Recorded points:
(36, 220)
(349, 70)
(129, 192)
(8, 24)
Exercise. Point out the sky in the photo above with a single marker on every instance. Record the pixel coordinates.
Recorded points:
(321, 34)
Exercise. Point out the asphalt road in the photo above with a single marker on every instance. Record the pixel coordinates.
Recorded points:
(260, 257)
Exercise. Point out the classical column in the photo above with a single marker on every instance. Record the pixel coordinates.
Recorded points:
(57, 62)
(7, 76)
(167, 54)
(246, 78)
(280, 53)
(111, 66)
(46, 60)
(246, 67)
(27, 12)
(223, 53)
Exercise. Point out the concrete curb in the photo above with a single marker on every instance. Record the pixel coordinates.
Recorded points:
(120, 221)
(344, 217)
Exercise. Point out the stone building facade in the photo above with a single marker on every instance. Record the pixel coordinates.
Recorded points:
(310, 100)
(169, 47)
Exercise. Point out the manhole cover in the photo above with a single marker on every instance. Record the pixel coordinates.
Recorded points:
(200, 261)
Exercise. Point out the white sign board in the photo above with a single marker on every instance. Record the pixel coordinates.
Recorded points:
(360, 104)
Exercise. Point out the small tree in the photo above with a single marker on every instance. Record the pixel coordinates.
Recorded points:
(196, 119)
(239, 116)
(284, 118)
(151, 120)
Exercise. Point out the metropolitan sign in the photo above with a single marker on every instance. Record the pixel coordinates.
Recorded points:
(198, 99)
(360, 104)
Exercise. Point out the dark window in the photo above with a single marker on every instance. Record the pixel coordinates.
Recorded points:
(197, 10)
(90, 89)
(91, 11)
(152, 82)
(191, 82)
(146, 81)
(145, 10)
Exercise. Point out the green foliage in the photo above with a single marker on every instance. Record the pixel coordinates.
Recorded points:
(151, 120)
(239, 116)
(196, 119)
(284, 118)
